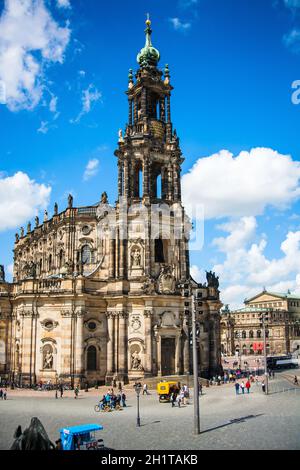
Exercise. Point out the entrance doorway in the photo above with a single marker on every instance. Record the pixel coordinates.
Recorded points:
(168, 356)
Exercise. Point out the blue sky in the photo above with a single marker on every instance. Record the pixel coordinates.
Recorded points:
(65, 64)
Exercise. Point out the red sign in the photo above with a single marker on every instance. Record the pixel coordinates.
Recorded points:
(258, 346)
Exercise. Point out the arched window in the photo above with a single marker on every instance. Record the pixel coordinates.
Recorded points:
(50, 263)
(267, 333)
(236, 334)
(86, 255)
(60, 258)
(251, 350)
(244, 334)
(244, 349)
(258, 334)
(251, 334)
(159, 186)
(159, 251)
(91, 358)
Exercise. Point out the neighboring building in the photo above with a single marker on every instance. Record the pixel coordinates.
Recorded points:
(96, 294)
(241, 329)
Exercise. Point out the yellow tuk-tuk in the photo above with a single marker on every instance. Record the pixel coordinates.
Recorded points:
(165, 389)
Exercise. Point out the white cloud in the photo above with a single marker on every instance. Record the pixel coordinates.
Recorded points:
(63, 4)
(91, 169)
(246, 269)
(53, 104)
(244, 185)
(292, 40)
(179, 25)
(197, 274)
(20, 199)
(30, 39)
(44, 127)
(89, 96)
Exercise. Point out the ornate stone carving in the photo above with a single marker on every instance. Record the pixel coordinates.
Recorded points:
(48, 324)
(212, 279)
(166, 280)
(149, 286)
(135, 323)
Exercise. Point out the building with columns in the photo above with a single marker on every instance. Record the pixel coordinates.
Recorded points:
(97, 292)
(241, 329)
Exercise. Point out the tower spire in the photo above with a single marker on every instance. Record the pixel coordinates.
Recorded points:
(149, 55)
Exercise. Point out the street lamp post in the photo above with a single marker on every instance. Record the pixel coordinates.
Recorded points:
(195, 370)
(137, 388)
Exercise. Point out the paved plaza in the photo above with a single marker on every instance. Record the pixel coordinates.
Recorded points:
(253, 421)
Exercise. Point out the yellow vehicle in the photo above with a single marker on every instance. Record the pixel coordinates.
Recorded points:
(165, 389)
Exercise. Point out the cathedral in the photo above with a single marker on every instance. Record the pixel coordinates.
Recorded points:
(104, 292)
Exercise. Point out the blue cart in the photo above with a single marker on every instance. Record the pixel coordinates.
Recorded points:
(82, 437)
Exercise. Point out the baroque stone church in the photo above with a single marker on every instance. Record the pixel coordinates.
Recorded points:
(99, 292)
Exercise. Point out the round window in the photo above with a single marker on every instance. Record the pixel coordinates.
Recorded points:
(49, 325)
(92, 325)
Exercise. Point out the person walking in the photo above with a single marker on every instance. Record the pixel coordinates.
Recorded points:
(296, 380)
(263, 386)
(173, 399)
(61, 389)
(237, 388)
(145, 389)
(76, 392)
(243, 387)
(1, 393)
(248, 386)
(5, 394)
(123, 398)
(120, 387)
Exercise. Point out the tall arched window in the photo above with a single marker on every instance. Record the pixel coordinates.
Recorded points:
(251, 334)
(50, 263)
(159, 251)
(60, 258)
(267, 333)
(86, 255)
(91, 358)
(258, 334)
(244, 334)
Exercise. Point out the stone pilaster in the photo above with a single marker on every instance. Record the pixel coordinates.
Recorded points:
(148, 342)
(122, 350)
(110, 348)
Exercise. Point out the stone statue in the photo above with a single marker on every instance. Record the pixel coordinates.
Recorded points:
(37, 222)
(33, 438)
(55, 208)
(166, 280)
(45, 215)
(21, 232)
(120, 136)
(70, 201)
(136, 259)
(28, 227)
(136, 363)
(30, 270)
(17, 238)
(2, 273)
(212, 279)
(104, 198)
(48, 360)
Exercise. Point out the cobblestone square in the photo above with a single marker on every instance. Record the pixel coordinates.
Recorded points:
(253, 421)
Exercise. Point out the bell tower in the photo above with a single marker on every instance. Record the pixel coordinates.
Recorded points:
(149, 154)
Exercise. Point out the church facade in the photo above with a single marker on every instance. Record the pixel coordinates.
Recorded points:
(98, 292)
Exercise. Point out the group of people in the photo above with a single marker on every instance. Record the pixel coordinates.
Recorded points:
(3, 394)
(242, 386)
(113, 401)
(180, 396)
